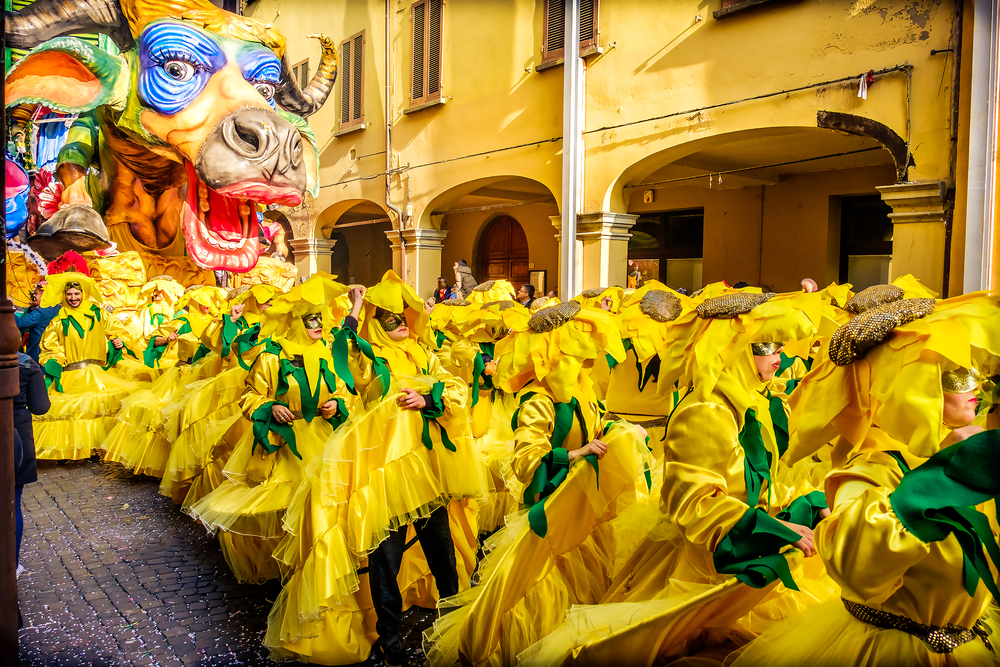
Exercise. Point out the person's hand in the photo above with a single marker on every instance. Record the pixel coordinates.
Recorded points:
(597, 448)
(357, 296)
(429, 305)
(236, 311)
(607, 303)
(825, 512)
(281, 414)
(490, 368)
(805, 545)
(411, 400)
(329, 409)
(960, 434)
(172, 337)
(117, 342)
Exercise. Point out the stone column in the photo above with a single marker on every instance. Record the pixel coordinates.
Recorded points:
(919, 215)
(602, 248)
(312, 255)
(422, 257)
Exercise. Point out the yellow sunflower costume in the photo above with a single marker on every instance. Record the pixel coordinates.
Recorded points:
(148, 419)
(294, 371)
(389, 474)
(646, 320)
(492, 290)
(161, 295)
(552, 556)
(76, 353)
(595, 296)
(912, 539)
(211, 422)
(713, 570)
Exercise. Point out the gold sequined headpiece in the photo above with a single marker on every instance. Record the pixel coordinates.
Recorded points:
(593, 292)
(553, 317)
(484, 287)
(236, 291)
(192, 288)
(854, 339)
(728, 306)
(456, 302)
(960, 381)
(501, 305)
(660, 305)
(876, 295)
(764, 349)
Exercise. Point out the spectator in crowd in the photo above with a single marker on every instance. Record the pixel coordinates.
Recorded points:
(464, 282)
(526, 295)
(443, 290)
(553, 294)
(32, 322)
(33, 399)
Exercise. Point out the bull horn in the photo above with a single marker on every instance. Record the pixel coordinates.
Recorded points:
(43, 20)
(305, 102)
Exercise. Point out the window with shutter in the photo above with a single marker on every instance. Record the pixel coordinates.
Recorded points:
(300, 73)
(427, 19)
(352, 82)
(554, 29)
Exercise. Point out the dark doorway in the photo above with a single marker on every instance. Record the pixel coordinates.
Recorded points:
(865, 241)
(668, 247)
(340, 259)
(503, 252)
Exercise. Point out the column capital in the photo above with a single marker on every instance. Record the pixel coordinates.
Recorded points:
(601, 226)
(312, 246)
(916, 201)
(419, 238)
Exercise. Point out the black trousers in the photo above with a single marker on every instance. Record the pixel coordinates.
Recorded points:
(434, 534)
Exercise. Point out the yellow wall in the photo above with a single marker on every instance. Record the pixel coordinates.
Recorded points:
(657, 60)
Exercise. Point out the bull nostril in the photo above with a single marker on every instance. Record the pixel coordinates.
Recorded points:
(249, 138)
(245, 137)
(297, 153)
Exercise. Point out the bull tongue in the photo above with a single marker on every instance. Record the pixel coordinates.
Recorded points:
(220, 232)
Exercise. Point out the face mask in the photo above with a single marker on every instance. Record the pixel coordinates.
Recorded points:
(390, 321)
(764, 349)
(312, 321)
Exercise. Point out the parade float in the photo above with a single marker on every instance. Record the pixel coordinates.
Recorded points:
(149, 135)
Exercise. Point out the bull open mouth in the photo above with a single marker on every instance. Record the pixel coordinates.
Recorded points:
(220, 228)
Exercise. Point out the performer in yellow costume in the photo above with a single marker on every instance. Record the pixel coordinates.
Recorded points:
(78, 347)
(211, 422)
(577, 472)
(147, 422)
(403, 467)
(912, 539)
(294, 400)
(711, 574)
(161, 295)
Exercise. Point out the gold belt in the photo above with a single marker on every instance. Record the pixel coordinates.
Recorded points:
(83, 363)
(652, 423)
(938, 639)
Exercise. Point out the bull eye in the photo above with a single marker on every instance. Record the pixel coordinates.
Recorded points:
(266, 90)
(179, 70)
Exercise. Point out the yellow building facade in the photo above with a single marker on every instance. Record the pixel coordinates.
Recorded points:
(721, 140)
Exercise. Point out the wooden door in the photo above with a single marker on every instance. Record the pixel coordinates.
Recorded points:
(503, 252)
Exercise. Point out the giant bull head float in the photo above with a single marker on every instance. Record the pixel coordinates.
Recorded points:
(197, 119)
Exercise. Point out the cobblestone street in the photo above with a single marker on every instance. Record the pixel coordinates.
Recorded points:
(116, 575)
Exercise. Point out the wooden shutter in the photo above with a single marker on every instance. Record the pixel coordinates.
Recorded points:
(352, 81)
(427, 19)
(304, 73)
(554, 28)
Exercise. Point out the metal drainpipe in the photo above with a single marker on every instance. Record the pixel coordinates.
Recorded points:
(388, 138)
(571, 171)
(980, 215)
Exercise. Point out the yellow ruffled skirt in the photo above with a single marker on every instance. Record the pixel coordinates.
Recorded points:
(497, 446)
(828, 636)
(252, 501)
(81, 415)
(211, 406)
(148, 420)
(529, 582)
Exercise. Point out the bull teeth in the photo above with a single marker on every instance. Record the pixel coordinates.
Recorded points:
(202, 197)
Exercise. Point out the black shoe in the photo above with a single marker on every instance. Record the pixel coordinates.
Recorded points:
(95, 458)
(62, 462)
(392, 649)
